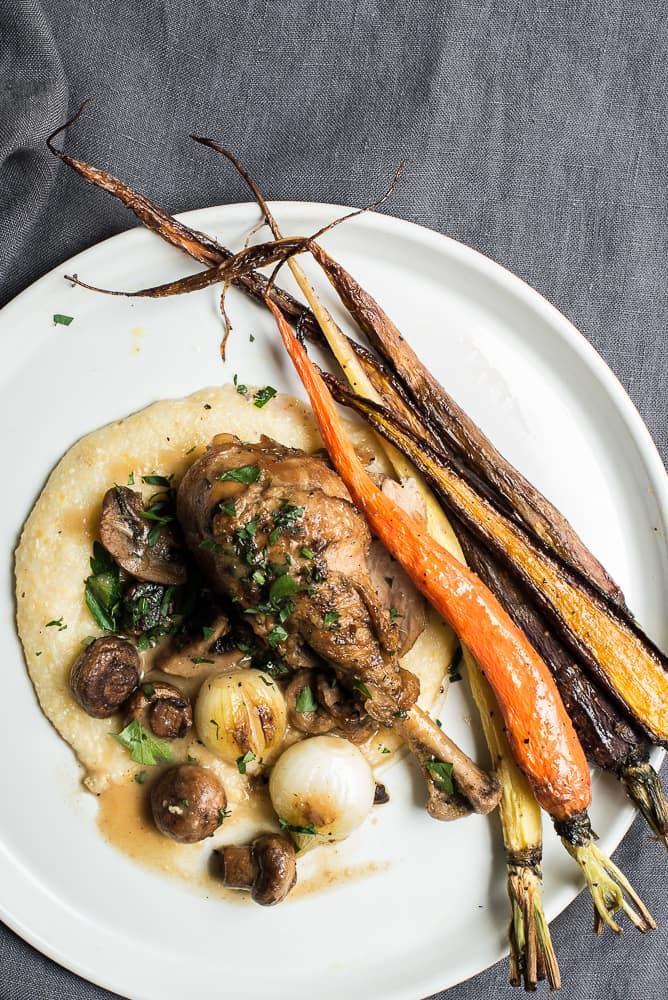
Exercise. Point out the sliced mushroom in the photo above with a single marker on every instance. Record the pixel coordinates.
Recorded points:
(104, 675)
(188, 803)
(162, 708)
(267, 867)
(125, 533)
(199, 654)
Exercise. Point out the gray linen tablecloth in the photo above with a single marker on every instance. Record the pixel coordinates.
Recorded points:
(535, 132)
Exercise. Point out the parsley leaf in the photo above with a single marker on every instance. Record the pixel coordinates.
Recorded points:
(277, 634)
(228, 507)
(242, 474)
(306, 701)
(284, 586)
(441, 772)
(61, 320)
(363, 689)
(262, 396)
(58, 623)
(222, 816)
(306, 553)
(310, 830)
(143, 746)
(330, 619)
(156, 480)
(247, 758)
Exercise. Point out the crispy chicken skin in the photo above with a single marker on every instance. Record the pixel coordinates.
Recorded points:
(274, 529)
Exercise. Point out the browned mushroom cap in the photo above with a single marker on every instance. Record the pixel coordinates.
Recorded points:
(188, 803)
(162, 708)
(267, 867)
(124, 532)
(104, 675)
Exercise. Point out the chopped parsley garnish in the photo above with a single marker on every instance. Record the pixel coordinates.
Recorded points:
(262, 396)
(400, 715)
(306, 701)
(207, 632)
(306, 554)
(309, 830)
(148, 690)
(242, 474)
(441, 772)
(330, 619)
(251, 338)
(140, 777)
(277, 634)
(363, 689)
(57, 623)
(222, 816)
(61, 320)
(385, 750)
(284, 586)
(210, 546)
(247, 533)
(247, 758)
(241, 389)
(228, 507)
(287, 516)
(155, 480)
(394, 614)
(143, 746)
(131, 479)
(200, 659)
(213, 723)
(38, 652)
(103, 589)
(88, 641)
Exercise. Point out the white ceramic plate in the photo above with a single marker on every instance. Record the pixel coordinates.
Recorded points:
(434, 911)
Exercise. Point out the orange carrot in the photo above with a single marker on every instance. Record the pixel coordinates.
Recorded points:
(539, 731)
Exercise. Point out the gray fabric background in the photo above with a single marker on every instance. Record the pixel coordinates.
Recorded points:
(535, 132)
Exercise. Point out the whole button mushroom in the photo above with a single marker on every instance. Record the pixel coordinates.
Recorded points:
(188, 803)
(267, 867)
(104, 675)
(162, 708)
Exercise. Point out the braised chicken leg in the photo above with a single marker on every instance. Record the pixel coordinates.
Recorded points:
(274, 530)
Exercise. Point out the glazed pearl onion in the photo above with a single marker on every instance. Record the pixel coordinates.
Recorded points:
(322, 784)
(241, 715)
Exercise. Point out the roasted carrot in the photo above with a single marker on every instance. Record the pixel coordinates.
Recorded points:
(539, 731)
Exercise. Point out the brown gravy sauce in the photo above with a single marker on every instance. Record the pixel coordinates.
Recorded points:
(124, 819)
